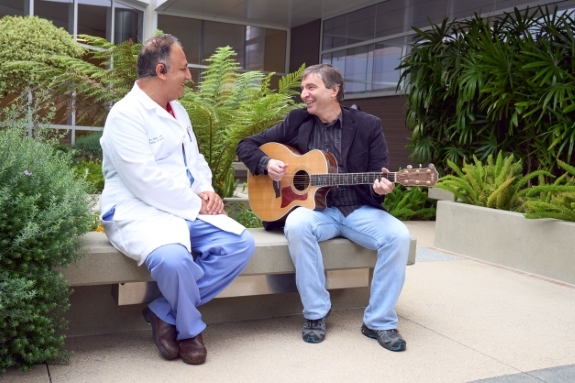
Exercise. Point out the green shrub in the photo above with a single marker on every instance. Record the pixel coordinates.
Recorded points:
(498, 184)
(411, 204)
(555, 200)
(88, 147)
(242, 214)
(91, 171)
(44, 208)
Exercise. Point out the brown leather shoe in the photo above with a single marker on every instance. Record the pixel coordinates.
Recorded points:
(192, 350)
(164, 335)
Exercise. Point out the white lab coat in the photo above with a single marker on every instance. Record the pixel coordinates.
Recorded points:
(145, 177)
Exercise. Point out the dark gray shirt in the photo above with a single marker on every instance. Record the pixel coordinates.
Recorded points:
(327, 137)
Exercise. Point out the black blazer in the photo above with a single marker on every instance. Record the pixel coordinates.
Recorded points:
(363, 145)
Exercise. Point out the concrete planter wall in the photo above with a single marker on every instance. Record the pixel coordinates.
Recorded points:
(545, 247)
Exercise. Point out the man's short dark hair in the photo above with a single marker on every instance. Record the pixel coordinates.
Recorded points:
(329, 75)
(156, 50)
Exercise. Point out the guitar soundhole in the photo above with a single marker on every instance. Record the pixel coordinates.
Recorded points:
(301, 180)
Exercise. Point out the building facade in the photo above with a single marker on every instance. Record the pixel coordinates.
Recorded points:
(364, 39)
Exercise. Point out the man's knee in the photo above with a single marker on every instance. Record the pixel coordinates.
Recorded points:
(169, 257)
(248, 244)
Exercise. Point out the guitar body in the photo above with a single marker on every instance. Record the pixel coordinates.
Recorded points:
(272, 201)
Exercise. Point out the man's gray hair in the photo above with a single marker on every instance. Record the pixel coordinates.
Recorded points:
(156, 50)
(329, 75)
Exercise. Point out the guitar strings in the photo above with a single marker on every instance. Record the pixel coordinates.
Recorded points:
(338, 178)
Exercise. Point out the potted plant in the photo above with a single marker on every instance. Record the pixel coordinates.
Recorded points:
(491, 220)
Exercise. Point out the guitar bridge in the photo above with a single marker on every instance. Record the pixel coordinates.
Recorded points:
(276, 186)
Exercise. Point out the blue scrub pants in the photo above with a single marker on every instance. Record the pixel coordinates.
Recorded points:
(367, 226)
(186, 283)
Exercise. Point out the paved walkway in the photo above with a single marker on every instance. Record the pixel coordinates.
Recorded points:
(464, 321)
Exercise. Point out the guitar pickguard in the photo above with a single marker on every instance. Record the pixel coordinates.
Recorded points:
(288, 196)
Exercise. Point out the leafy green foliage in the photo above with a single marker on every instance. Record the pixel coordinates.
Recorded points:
(498, 184)
(228, 106)
(26, 43)
(409, 204)
(88, 85)
(88, 147)
(44, 208)
(556, 200)
(91, 172)
(480, 86)
(243, 214)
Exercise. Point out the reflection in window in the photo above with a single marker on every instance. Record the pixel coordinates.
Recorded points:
(370, 67)
(13, 8)
(188, 31)
(350, 28)
(60, 12)
(221, 34)
(257, 48)
(95, 18)
(128, 24)
(386, 58)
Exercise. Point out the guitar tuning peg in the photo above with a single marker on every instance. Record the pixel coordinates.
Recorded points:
(431, 165)
(409, 167)
(420, 166)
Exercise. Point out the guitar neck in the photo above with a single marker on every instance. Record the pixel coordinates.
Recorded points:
(331, 179)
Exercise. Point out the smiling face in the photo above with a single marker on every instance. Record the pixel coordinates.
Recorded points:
(318, 99)
(177, 74)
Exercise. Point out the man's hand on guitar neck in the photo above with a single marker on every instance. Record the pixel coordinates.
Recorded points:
(383, 186)
(276, 169)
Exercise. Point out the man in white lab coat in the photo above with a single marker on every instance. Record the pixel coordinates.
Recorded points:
(158, 204)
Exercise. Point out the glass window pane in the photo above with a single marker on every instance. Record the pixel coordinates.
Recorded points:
(386, 59)
(128, 24)
(390, 18)
(461, 9)
(188, 31)
(334, 32)
(255, 47)
(60, 12)
(13, 8)
(421, 12)
(357, 73)
(361, 25)
(95, 18)
(220, 35)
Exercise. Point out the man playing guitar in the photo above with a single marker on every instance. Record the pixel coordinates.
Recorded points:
(356, 141)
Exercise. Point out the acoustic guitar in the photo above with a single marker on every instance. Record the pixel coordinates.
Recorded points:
(310, 177)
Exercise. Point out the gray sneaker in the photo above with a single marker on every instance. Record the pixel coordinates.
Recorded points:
(313, 331)
(389, 339)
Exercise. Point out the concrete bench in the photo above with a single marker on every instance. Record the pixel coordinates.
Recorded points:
(270, 271)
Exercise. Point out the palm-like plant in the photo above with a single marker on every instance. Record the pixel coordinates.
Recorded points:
(228, 106)
(499, 184)
(483, 85)
(556, 200)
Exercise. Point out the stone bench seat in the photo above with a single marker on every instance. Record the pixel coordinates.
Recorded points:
(270, 270)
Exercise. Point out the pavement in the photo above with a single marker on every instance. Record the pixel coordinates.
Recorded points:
(464, 320)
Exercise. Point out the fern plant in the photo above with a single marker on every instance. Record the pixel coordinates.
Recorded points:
(556, 200)
(499, 184)
(228, 106)
(411, 204)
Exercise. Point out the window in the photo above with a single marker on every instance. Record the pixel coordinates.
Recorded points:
(13, 8)
(60, 12)
(257, 48)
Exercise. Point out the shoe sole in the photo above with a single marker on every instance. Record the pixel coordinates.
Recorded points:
(149, 317)
(369, 333)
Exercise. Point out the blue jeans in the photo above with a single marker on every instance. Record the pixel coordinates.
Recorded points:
(186, 283)
(367, 226)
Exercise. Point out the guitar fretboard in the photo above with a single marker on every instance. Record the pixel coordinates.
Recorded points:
(348, 178)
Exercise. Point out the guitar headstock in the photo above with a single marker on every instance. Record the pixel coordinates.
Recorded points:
(417, 176)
